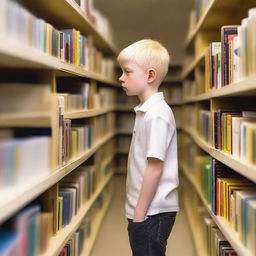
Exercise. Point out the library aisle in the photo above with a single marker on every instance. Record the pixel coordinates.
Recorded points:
(112, 239)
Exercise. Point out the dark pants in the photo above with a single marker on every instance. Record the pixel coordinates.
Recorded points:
(149, 238)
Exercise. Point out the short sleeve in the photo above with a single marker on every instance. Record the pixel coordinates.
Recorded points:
(158, 135)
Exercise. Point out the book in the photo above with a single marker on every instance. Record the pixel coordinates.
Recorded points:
(227, 34)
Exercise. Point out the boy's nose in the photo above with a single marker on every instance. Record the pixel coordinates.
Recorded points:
(121, 78)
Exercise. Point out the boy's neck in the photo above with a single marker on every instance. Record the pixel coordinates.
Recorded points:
(146, 95)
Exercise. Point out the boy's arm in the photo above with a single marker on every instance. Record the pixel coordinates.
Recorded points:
(150, 183)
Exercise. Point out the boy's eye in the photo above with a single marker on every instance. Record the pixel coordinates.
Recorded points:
(127, 71)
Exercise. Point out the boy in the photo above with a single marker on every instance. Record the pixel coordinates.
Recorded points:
(152, 175)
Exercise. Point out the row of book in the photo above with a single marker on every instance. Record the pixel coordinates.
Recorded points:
(96, 17)
(233, 58)
(69, 45)
(78, 242)
(230, 196)
(74, 190)
(208, 234)
(27, 233)
(22, 158)
(235, 133)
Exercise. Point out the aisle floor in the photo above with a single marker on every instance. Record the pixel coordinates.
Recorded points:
(112, 239)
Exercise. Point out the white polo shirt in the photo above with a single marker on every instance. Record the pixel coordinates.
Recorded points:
(154, 135)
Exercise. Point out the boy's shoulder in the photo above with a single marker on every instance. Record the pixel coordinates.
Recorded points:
(161, 109)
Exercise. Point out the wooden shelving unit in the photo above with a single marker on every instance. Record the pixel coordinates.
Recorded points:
(207, 30)
(61, 14)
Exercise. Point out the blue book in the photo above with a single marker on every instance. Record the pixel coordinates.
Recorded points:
(66, 207)
(9, 242)
(71, 33)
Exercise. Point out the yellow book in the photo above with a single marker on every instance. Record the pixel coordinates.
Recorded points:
(223, 133)
(226, 182)
(229, 132)
(74, 143)
(60, 202)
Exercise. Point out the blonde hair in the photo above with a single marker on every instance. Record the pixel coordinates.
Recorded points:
(147, 53)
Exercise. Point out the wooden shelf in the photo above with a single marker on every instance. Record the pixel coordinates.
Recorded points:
(228, 232)
(57, 11)
(13, 200)
(236, 164)
(14, 54)
(58, 242)
(190, 67)
(95, 230)
(26, 120)
(246, 87)
(88, 113)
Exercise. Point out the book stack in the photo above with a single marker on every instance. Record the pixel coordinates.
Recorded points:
(27, 233)
(68, 45)
(177, 115)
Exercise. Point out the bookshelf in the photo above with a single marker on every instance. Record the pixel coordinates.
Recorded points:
(24, 66)
(201, 104)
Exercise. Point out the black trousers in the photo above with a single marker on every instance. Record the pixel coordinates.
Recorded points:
(149, 237)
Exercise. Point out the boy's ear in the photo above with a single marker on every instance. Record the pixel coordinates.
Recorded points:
(152, 74)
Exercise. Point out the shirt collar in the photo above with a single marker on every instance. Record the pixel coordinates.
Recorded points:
(149, 102)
